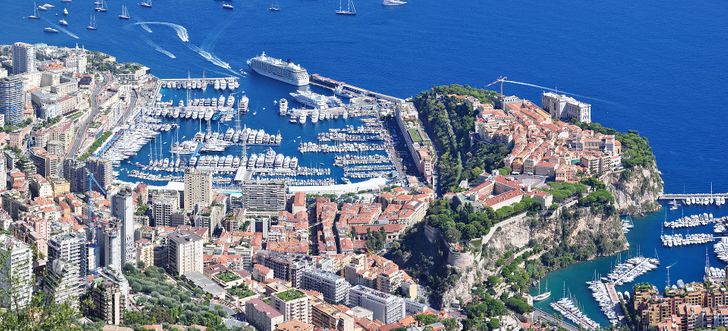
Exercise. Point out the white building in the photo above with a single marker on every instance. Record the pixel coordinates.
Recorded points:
(23, 58)
(122, 207)
(16, 272)
(386, 307)
(565, 107)
(184, 253)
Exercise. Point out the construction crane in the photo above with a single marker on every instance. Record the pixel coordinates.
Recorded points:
(90, 221)
(500, 80)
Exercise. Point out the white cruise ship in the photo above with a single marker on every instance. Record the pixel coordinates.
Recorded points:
(284, 71)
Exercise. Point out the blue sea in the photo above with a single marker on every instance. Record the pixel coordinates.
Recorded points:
(658, 67)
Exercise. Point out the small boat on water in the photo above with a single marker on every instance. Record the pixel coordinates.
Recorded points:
(35, 15)
(65, 11)
(146, 3)
(542, 295)
(101, 7)
(63, 22)
(124, 13)
(92, 23)
(274, 7)
(393, 3)
(227, 6)
(50, 30)
(350, 9)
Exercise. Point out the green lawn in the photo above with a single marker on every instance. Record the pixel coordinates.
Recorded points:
(291, 294)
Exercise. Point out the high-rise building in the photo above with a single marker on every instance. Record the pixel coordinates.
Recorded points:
(198, 188)
(184, 253)
(288, 267)
(164, 203)
(109, 294)
(71, 248)
(122, 207)
(261, 315)
(102, 171)
(264, 196)
(16, 272)
(293, 304)
(61, 283)
(565, 107)
(12, 99)
(334, 288)
(112, 248)
(23, 58)
(386, 307)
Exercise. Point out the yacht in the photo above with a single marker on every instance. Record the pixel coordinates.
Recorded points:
(35, 15)
(274, 7)
(146, 3)
(227, 6)
(50, 30)
(65, 11)
(350, 9)
(63, 22)
(124, 13)
(393, 2)
(101, 7)
(92, 23)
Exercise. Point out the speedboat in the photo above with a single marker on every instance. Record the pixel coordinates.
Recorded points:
(50, 30)
(227, 6)
(63, 22)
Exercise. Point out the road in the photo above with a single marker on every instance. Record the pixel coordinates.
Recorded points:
(79, 137)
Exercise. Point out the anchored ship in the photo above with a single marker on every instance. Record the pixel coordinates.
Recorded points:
(285, 71)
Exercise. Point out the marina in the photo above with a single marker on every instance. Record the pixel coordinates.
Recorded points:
(566, 307)
(692, 221)
(676, 240)
(202, 123)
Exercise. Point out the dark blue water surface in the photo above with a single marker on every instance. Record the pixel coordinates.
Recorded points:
(658, 67)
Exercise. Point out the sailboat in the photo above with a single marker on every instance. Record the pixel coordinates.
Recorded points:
(146, 3)
(35, 15)
(101, 7)
(92, 24)
(124, 13)
(544, 295)
(350, 9)
(274, 7)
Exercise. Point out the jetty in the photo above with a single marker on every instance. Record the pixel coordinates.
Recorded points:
(349, 90)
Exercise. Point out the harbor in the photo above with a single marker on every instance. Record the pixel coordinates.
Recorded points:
(210, 124)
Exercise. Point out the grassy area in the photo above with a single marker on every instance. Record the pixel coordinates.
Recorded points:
(97, 143)
(415, 135)
(289, 295)
(227, 276)
(241, 291)
(563, 191)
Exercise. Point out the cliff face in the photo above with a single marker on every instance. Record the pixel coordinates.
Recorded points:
(636, 191)
(581, 228)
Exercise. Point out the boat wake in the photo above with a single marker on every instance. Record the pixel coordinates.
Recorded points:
(62, 29)
(160, 49)
(212, 58)
(180, 30)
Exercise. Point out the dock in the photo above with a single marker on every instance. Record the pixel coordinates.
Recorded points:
(347, 89)
(685, 196)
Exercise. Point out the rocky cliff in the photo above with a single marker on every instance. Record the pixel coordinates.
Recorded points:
(595, 234)
(636, 190)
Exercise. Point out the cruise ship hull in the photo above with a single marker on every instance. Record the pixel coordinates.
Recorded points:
(294, 82)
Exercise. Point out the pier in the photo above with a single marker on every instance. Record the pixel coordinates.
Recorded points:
(347, 89)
